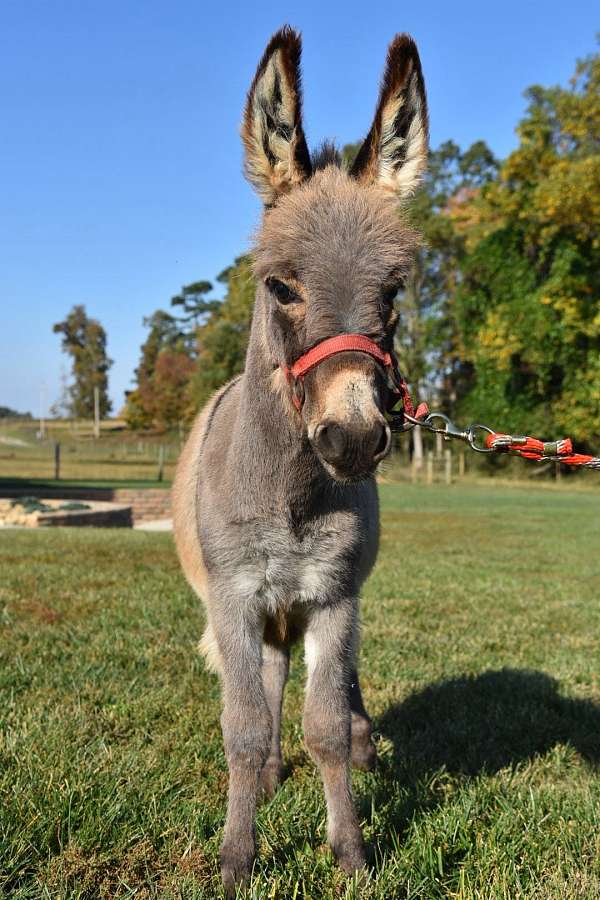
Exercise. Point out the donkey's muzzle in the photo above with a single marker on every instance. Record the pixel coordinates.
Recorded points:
(352, 452)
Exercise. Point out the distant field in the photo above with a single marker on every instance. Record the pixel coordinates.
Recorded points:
(479, 664)
(117, 455)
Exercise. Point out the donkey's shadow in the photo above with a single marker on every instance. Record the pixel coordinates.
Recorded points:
(473, 725)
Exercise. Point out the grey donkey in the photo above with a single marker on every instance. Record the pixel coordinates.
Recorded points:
(275, 503)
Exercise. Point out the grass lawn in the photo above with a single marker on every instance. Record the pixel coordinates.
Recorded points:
(481, 668)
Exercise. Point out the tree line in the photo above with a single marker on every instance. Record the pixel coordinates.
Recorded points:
(500, 319)
(7, 413)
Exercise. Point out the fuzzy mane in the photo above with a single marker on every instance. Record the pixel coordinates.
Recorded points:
(326, 154)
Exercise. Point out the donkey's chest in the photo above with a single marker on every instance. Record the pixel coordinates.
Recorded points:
(279, 568)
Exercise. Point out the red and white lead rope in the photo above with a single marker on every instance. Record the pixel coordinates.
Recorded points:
(497, 442)
(530, 448)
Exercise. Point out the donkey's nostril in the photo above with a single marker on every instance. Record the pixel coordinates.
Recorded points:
(330, 441)
(383, 445)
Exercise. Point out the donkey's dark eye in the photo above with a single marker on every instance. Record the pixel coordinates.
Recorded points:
(282, 291)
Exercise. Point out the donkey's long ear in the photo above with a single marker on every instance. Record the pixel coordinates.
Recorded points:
(277, 157)
(394, 153)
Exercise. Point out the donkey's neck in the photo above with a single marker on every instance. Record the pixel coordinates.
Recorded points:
(277, 467)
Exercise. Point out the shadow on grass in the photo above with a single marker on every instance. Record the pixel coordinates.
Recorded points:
(474, 725)
(485, 722)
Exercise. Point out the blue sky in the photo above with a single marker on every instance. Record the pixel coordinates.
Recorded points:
(120, 161)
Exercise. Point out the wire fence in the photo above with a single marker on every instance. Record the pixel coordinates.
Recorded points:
(71, 453)
(65, 455)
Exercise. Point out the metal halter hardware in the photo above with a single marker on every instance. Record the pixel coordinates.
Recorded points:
(470, 434)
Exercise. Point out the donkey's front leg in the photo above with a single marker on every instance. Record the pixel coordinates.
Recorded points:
(328, 646)
(246, 724)
(364, 754)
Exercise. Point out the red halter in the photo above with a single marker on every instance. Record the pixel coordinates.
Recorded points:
(341, 344)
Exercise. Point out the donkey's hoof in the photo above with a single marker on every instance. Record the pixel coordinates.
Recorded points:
(350, 855)
(271, 777)
(364, 756)
(236, 867)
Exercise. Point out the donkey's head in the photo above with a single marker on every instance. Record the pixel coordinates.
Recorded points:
(332, 250)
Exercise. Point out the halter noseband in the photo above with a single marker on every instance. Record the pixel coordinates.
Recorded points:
(343, 343)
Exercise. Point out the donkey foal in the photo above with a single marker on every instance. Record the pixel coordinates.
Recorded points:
(275, 504)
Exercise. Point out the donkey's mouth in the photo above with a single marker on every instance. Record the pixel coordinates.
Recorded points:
(347, 476)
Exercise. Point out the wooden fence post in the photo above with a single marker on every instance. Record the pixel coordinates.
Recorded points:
(161, 462)
(461, 464)
(417, 443)
(96, 412)
(448, 465)
(439, 444)
(57, 461)
(429, 474)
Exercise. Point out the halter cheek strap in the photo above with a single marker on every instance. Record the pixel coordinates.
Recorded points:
(343, 343)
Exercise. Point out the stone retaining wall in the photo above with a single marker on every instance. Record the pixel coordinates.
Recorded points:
(149, 503)
(145, 503)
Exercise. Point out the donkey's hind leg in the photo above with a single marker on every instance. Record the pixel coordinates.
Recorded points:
(275, 668)
(364, 754)
(328, 642)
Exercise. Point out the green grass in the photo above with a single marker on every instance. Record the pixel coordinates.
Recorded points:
(481, 654)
